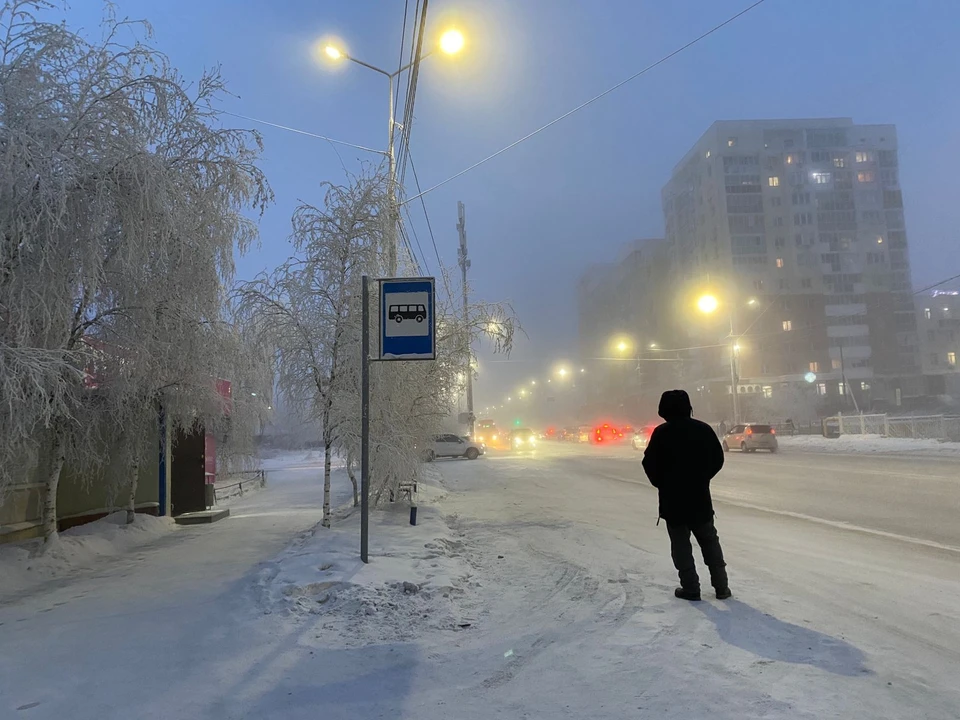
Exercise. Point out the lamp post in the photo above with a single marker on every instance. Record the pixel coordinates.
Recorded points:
(708, 304)
(451, 42)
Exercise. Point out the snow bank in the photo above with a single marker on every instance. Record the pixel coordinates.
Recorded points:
(21, 565)
(870, 444)
(418, 579)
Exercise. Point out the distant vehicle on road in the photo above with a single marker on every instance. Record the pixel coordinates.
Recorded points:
(486, 432)
(583, 434)
(523, 439)
(641, 436)
(454, 446)
(606, 433)
(750, 437)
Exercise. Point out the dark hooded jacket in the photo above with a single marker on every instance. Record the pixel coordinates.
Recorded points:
(681, 459)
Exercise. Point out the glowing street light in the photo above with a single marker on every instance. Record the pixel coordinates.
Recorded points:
(653, 346)
(708, 304)
(452, 42)
(562, 372)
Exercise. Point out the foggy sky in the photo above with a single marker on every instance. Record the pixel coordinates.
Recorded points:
(576, 193)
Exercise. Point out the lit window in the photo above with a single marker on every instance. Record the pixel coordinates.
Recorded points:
(731, 142)
(821, 388)
(865, 176)
(839, 162)
(790, 159)
(787, 325)
(879, 239)
(821, 178)
(841, 388)
(864, 156)
(768, 391)
(951, 358)
(707, 155)
(864, 385)
(779, 262)
(814, 367)
(836, 364)
(773, 182)
(926, 313)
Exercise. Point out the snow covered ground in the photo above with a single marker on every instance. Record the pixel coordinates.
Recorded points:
(535, 587)
(869, 444)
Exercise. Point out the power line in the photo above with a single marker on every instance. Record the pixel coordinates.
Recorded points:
(594, 99)
(302, 132)
(426, 215)
(942, 282)
(416, 238)
(403, 37)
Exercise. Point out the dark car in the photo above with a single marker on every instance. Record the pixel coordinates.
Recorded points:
(750, 437)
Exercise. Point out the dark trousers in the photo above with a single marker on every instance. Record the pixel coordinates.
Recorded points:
(682, 553)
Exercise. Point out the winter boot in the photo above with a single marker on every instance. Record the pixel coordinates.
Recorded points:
(724, 593)
(692, 595)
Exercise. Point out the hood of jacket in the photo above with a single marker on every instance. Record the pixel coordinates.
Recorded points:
(675, 405)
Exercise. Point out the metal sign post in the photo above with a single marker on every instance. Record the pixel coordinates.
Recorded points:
(365, 421)
(408, 331)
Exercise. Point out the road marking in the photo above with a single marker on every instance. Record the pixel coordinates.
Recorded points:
(840, 524)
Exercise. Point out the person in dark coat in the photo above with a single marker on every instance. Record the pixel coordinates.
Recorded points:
(682, 457)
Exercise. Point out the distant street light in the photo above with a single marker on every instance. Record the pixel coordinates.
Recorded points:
(708, 304)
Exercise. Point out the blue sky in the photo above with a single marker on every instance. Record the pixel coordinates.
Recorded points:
(577, 192)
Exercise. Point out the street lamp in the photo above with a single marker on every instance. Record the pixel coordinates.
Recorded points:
(451, 42)
(708, 304)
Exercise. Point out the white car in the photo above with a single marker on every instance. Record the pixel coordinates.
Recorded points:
(454, 446)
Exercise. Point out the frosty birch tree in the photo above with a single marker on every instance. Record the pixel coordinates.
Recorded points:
(121, 204)
(306, 308)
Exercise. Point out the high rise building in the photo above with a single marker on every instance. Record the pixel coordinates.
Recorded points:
(797, 227)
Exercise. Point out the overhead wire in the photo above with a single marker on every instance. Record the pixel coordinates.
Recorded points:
(594, 99)
(303, 132)
(416, 238)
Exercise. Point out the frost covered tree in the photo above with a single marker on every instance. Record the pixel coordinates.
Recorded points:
(309, 311)
(122, 201)
(307, 307)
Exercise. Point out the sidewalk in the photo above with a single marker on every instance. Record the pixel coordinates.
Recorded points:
(152, 633)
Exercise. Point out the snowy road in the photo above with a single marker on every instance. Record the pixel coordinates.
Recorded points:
(568, 589)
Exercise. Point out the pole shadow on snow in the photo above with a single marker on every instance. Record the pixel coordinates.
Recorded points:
(757, 632)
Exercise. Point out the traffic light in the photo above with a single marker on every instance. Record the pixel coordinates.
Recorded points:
(517, 422)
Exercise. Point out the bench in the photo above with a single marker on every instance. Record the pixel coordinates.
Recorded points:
(407, 488)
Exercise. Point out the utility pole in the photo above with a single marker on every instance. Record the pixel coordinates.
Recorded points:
(464, 266)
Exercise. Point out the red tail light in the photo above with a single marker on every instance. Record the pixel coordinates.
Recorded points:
(772, 431)
(749, 431)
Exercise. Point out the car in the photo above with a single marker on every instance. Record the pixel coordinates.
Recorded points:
(641, 436)
(750, 437)
(523, 439)
(454, 446)
(583, 434)
(606, 433)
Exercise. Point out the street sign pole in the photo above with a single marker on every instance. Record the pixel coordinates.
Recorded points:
(408, 330)
(365, 422)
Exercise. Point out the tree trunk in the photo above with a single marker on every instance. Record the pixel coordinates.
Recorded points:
(353, 479)
(134, 481)
(51, 484)
(327, 452)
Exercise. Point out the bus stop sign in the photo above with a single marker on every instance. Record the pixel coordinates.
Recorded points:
(408, 326)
